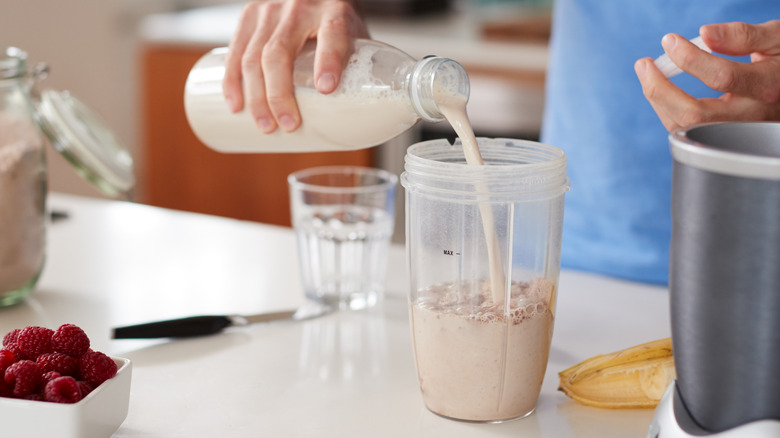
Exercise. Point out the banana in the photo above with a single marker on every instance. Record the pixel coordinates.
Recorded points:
(635, 377)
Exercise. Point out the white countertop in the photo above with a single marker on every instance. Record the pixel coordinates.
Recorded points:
(348, 374)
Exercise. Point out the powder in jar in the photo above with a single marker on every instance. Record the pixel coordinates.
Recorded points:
(22, 202)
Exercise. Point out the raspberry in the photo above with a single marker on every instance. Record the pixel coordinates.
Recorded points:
(62, 390)
(6, 359)
(71, 340)
(24, 376)
(85, 388)
(95, 368)
(34, 341)
(37, 363)
(59, 362)
(17, 352)
(49, 376)
(11, 336)
(5, 389)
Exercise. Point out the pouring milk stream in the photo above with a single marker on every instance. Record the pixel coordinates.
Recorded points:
(454, 109)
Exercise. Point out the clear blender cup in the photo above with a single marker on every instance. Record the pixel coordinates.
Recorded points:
(482, 333)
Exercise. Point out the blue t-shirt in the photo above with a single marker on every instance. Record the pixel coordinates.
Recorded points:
(617, 219)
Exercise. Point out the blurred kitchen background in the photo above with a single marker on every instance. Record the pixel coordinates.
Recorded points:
(128, 60)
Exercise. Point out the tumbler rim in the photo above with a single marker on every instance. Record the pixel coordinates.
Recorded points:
(514, 169)
(720, 158)
(385, 179)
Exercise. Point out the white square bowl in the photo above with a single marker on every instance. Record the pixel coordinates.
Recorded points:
(98, 415)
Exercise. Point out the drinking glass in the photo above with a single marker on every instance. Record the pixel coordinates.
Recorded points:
(343, 217)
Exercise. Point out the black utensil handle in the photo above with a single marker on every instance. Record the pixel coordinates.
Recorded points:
(175, 328)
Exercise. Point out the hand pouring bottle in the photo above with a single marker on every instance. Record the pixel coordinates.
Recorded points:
(382, 93)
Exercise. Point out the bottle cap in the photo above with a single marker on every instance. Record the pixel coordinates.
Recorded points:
(668, 68)
(422, 85)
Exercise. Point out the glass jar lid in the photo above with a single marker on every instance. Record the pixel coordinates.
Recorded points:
(13, 63)
(86, 142)
(74, 130)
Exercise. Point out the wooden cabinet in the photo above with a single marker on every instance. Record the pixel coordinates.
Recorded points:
(182, 173)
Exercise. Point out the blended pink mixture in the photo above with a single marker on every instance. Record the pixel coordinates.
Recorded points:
(476, 361)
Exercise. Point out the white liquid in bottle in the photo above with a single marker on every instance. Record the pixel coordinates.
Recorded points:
(372, 104)
(329, 124)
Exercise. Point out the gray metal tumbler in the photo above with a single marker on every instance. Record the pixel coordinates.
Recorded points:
(725, 272)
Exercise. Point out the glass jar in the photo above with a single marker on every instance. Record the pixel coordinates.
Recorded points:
(22, 183)
(28, 121)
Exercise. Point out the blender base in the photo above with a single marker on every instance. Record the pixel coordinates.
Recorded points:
(672, 421)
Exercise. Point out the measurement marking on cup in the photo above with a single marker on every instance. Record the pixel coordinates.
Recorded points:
(449, 252)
